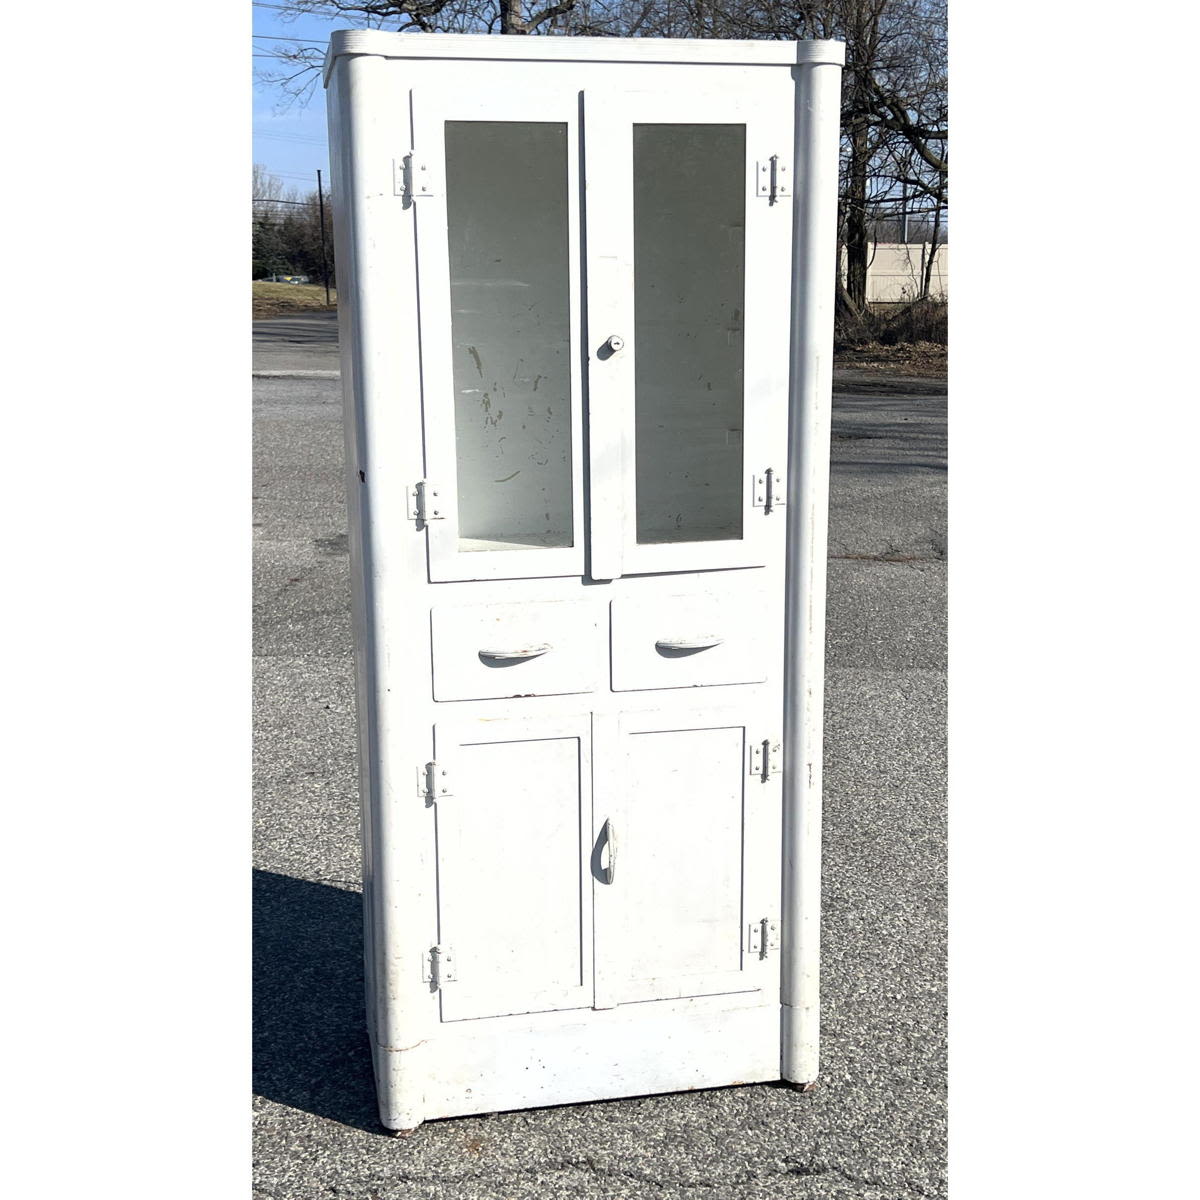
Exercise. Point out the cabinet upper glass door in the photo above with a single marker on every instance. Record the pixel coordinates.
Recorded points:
(690, 259)
(498, 251)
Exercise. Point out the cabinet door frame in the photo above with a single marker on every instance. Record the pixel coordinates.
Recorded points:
(431, 108)
(608, 126)
(616, 789)
(470, 990)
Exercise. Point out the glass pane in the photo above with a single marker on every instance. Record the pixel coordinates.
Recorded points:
(506, 204)
(689, 213)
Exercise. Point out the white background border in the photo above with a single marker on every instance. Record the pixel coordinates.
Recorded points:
(1074, 664)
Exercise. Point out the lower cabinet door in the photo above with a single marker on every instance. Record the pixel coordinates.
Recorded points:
(688, 858)
(513, 865)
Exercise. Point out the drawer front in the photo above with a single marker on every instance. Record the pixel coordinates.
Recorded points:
(489, 651)
(710, 635)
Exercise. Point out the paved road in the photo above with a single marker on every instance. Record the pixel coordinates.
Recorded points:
(875, 1128)
(305, 343)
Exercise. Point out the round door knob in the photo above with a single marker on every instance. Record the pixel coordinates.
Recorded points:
(615, 343)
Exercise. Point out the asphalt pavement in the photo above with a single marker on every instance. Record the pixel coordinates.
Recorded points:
(874, 1128)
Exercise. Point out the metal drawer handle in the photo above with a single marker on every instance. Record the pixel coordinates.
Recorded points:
(704, 642)
(610, 840)
(516, 655)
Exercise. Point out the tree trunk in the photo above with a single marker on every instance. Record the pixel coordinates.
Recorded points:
(933, 249)
(857, 248)
(511, 20)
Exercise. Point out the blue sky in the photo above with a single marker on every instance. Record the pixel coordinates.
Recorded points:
(291, 142)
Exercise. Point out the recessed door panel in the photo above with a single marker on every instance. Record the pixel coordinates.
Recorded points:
(514, 894)
(683, 871)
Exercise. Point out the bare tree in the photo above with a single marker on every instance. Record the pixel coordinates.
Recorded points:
(265, 186)
(298, 64)
(894, 114)
(894, 107)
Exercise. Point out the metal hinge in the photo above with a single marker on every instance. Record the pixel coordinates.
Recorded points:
(764, 936)
(774, 178)
(438, 967)
(423, 503)
(412, 177)
(770, 490)
(433, 781)
(766, 759)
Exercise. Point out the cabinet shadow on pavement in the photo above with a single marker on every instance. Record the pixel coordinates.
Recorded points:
(310, 1039)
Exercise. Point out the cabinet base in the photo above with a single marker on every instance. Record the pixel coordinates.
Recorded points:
(623, 1052)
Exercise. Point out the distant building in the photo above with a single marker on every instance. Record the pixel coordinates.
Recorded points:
(895, 271)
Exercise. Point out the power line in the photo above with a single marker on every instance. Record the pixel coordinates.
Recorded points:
(297, 139)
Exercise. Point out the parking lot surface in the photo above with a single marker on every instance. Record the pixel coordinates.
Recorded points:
(874, 1129)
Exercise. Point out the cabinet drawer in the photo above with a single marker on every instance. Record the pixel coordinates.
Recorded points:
(487, 651)
(707, 636)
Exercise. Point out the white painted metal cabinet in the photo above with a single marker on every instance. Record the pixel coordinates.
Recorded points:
(585, 305)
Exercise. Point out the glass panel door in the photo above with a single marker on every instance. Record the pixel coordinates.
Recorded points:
(498, 264)
(688, 258)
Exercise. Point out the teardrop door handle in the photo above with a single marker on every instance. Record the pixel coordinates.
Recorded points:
(610, 842)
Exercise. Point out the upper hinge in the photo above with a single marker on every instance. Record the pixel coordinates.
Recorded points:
(766, 759)
(423, 503)
(770, 490)
(437, 967)
(412, 176)
(774, 179)
(763, 936)
(433, 781)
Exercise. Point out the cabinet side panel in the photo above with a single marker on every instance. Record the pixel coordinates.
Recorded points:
(378, 332)
(341, 174)
(813, 279)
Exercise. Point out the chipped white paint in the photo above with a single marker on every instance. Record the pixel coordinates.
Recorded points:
(570, 737)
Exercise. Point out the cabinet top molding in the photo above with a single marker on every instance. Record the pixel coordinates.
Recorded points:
(580, 49)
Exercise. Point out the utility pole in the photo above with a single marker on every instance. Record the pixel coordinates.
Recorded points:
(904, 212)
(321, 207)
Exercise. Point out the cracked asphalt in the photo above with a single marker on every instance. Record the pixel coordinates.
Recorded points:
(874, 1129)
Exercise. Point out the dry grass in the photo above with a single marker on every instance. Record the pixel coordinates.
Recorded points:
(283, 299)
(925, 359)
(907, 338)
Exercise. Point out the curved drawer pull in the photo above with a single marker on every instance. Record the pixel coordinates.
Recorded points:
(515, 655)
(703, 642)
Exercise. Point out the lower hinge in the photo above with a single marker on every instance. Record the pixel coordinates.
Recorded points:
(424, 503)
(770, 490)
(763, 937)
(438, 966)
(433, 781)
(766, 759)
